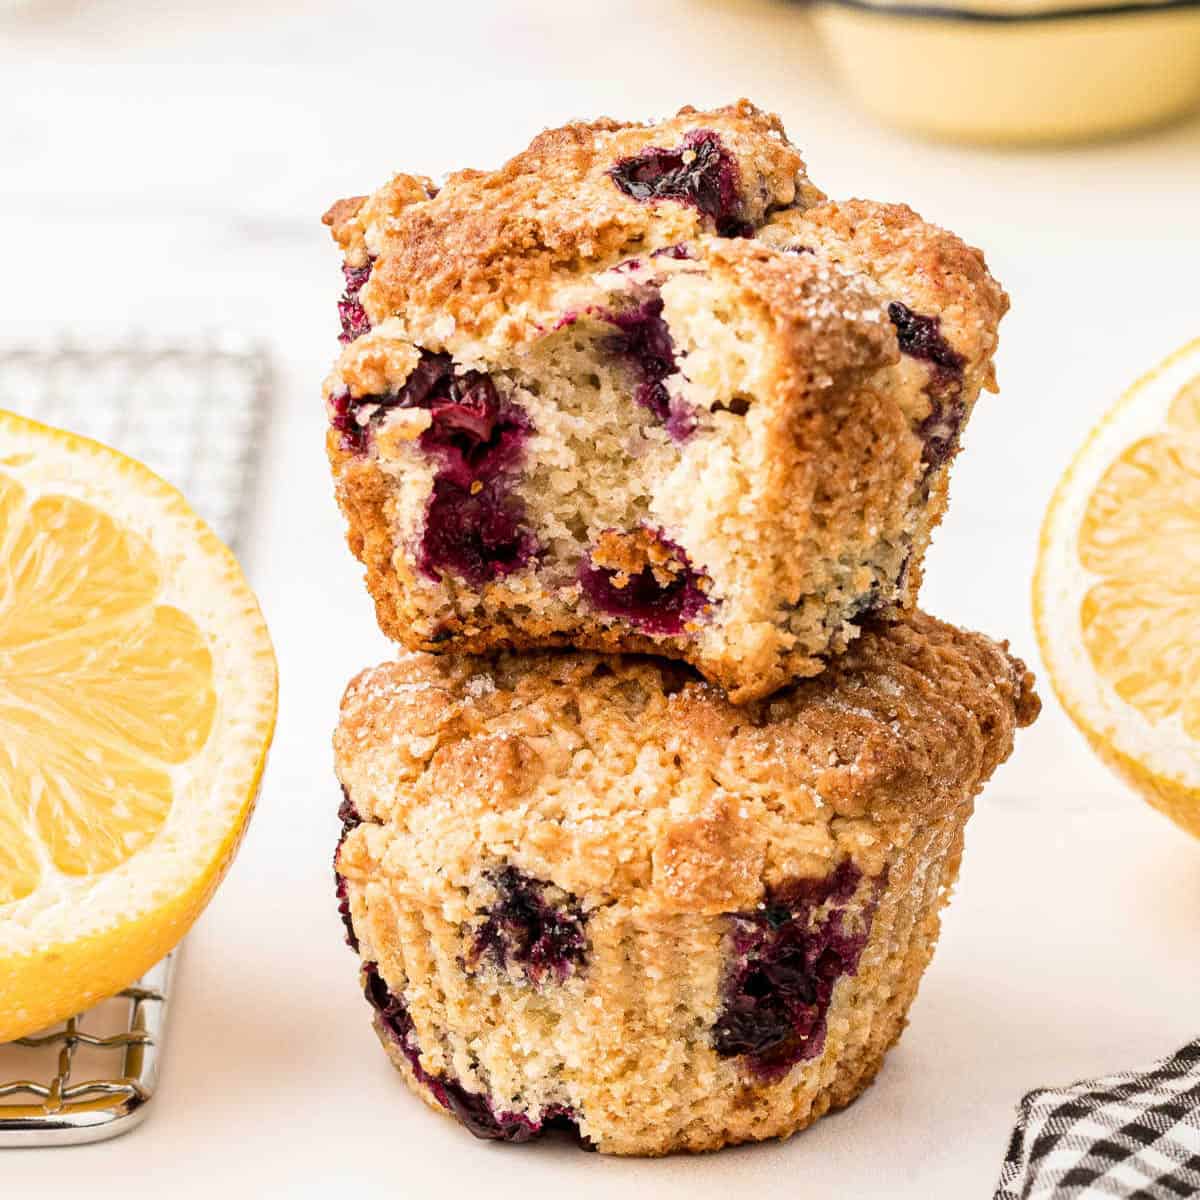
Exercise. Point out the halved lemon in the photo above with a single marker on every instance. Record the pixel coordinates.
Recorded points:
(137, 703)
(1117, 588)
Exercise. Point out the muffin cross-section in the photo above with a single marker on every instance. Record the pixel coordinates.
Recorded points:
(645, 389)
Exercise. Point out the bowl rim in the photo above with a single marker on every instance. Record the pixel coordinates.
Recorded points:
(993, 16)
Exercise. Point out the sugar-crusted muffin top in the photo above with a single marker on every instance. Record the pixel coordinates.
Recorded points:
(930, 271)
(484, 255)
(494, 260)
(782, 415)
(627, 780)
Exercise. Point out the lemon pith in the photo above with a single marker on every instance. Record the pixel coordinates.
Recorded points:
(137, 702)
(1117, 588)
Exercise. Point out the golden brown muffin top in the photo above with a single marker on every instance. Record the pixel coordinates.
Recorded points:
(921, 265)
(628, 780)
(492, 260)
(489, 248)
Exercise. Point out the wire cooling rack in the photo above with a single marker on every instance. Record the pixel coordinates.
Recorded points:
(92, 1077)
(191, 413)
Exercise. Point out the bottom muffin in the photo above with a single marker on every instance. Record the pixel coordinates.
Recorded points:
(591, 894)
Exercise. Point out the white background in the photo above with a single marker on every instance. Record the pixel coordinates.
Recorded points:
(164, 167)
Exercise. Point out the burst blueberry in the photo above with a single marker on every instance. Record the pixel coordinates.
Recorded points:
(921, 337)
(474, 1110)
(645, 343)
(788, 956)
(348, 815)
(662, 597)
(477, 532)
(699, 171)
(941, 428)
(354, 319)
(474, 432)
(474, 525)
(526, 928)
(344, 414)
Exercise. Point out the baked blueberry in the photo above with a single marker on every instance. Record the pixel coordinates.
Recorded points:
(698, 171)
(530, 929)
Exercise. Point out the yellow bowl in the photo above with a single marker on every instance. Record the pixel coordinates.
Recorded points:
(999, 74)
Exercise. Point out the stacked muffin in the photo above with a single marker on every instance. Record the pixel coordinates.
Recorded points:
(641, 441)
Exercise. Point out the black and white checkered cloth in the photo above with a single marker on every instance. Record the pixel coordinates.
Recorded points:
(1133, 1135)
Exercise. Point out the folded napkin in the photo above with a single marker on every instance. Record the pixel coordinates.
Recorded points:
(1133, 1135)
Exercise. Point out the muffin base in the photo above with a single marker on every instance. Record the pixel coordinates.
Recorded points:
(625, 1046)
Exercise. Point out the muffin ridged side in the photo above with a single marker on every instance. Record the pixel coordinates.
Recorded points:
(690, 841)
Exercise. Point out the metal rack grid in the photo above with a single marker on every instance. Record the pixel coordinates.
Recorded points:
(191, 413)
(61, 1108)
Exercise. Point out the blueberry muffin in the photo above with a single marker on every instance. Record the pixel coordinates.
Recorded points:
(590, 893)
(645, 389)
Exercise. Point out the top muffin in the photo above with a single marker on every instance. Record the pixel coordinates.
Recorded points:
(644, 388)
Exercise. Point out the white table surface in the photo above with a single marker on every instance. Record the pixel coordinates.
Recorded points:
(164, 167)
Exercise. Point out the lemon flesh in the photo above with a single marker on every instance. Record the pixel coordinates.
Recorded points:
(137, 703)
(1117, 590)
